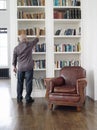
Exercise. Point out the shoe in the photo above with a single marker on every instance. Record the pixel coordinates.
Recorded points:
(30, 100)
(19, 100)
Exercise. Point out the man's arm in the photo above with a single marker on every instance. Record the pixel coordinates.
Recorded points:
(14, 63)
(34, 42)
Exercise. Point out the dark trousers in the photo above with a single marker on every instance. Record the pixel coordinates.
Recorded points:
(28, 76)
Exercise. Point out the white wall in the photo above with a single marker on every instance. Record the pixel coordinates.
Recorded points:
(4, 19)
(94, 43)
(4, 16)
(90, 45)
(5, 23)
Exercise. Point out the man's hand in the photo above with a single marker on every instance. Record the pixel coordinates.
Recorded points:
(15, 69)
(38, 33)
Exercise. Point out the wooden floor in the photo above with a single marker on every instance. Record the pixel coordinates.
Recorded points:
(36, 116)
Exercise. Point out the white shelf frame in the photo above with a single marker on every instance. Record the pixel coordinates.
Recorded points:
(67, 36)
(31, 20)
(30, 7)
(66, 7)
(34, 36)
(70, 53)
(39, 53)
(44, 69)
(67, 20)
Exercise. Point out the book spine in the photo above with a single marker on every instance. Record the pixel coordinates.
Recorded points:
(56, 3)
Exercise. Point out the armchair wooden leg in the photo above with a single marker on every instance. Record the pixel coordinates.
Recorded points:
(78, 108)
(50, 106)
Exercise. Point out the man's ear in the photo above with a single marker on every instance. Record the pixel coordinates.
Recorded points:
(18, 40)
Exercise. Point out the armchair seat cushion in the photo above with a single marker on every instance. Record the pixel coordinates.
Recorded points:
(64, 97)
(65, 89)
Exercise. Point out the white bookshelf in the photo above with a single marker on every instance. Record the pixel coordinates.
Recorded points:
(31, 17)
(51, 25)
(64, 19)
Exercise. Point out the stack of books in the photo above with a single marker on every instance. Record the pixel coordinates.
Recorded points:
(31, 2)
(66, 2)
(39, 64)
(30, 15)
(32, 31)
(62, 63)
(67, 14)
(67, 47)
(40, 48)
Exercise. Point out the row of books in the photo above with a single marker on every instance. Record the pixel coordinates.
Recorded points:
(67, 14)
(67, 47)
(31, 15)
(32, 31)
(66, 2)
(68, 31)
(39, 64)
(31, 2)
(40, 48)
(60, 63)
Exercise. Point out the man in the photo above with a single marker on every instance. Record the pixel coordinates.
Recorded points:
(23, 56)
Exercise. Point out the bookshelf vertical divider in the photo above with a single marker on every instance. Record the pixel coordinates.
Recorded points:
(49, 39)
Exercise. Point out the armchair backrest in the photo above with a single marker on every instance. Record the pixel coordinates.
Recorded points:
(72, 73)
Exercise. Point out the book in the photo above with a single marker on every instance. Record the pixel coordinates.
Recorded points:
(60, 2)
(35, 2)
(39, 64)
(56, 3)
(41, 2)
(58, 32)
(63, 2)
(22, 2)
(40, 47)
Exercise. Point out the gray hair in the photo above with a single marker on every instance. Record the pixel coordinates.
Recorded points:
(23, 38)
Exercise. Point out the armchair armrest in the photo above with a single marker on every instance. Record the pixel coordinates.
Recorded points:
(56, 82)
(81, 84)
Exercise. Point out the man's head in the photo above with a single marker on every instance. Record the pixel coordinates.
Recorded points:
(23, 38)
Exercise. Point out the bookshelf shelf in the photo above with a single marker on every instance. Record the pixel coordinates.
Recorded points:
(67, 20)
(39, 69)
(34, 36)
(39, 53)
(31, 20)
(64, 36)
(30, 7)
(67, 7)
(57, 69)
(70, 53)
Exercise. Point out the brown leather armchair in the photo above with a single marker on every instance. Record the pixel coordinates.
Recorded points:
(69, 88)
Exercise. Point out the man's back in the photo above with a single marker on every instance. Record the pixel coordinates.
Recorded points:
(23, 55)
